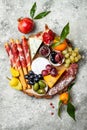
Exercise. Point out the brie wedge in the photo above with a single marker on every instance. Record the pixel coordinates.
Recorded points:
(34, 43)
(39, 64)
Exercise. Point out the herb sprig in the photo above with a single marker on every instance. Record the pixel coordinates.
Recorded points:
(38, 16)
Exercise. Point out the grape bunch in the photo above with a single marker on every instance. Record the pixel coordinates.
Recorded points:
(71, 56)
(50, 70)
(33, 78)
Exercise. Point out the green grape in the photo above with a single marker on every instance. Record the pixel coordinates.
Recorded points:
(69, 49)
(67, 55)
(76, 59)
(72, 59)
(64, 52)
(66, 65)
(74, 54)
(67, 61)
(70, 53)
(76, 50)
(79, 57)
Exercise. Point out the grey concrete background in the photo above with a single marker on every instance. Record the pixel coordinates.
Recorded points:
(17, 110)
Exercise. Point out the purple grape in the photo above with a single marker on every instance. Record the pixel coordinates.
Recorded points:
(44, 72)
(54, 72)
(48, 67)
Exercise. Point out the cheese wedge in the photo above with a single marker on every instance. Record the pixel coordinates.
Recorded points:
(50, 80)
(34, 43)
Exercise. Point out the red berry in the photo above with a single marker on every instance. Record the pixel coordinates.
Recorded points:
(52, 113)
(44, 72)
(25, 25)
(54, 72)
(48, 37)
(51, 104)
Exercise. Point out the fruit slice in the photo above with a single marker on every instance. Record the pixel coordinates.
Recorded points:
(14, 72)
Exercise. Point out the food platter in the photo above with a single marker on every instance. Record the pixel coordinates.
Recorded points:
(43, 70)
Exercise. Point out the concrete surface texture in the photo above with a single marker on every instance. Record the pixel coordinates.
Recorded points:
(21, 112)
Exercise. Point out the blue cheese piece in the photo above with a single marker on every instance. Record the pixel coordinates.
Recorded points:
(34, 43)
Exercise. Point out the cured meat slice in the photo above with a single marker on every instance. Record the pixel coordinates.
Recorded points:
(65, 80)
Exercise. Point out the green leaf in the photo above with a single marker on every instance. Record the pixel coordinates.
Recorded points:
(33, 10)
(64, 32)
(55, 44)
(63, 35)
(71, 110)
(69, 88)
(42, 15)
(59, 107)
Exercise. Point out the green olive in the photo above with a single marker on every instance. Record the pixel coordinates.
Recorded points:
(35, 86)
(41, 91)
(42, 84)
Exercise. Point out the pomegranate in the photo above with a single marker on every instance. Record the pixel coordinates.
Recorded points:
(25, 25)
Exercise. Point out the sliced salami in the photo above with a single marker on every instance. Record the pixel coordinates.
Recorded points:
(65, 80)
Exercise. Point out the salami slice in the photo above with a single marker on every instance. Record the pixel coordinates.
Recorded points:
(65, 80)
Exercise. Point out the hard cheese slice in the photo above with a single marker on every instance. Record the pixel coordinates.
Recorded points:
(34, 43)
(50, 80)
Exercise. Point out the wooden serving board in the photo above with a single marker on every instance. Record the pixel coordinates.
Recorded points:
(30, 92)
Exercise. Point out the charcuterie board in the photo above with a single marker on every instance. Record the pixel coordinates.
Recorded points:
(44, 70)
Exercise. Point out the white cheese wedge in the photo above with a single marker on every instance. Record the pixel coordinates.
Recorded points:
(34, 43)
(39, 64)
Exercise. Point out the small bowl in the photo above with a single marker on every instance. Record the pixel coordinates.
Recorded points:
(42, 53)
(56, 64)
(46, 89)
